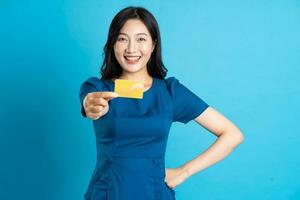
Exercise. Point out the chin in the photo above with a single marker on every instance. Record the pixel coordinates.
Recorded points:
(132, 68)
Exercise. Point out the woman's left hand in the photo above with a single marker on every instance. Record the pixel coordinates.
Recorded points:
(175, 176)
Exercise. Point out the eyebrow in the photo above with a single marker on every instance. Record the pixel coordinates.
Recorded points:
(136, 34)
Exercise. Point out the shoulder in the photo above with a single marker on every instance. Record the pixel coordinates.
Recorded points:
(171, 81)
(177, 88)
(95, 82)
(173, 84)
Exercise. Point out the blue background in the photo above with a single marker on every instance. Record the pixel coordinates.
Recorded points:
(241, 57)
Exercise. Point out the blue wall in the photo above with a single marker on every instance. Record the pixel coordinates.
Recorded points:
(241, 57)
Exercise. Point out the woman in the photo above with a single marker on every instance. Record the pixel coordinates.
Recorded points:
(131, 134)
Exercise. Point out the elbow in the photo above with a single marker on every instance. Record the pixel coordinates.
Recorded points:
(239, 137)
(235, 135)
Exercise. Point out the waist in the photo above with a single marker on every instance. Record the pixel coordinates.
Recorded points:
(130, 151)
(128, 156)
(131, 163)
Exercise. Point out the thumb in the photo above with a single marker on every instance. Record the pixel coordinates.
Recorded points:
(109, 95)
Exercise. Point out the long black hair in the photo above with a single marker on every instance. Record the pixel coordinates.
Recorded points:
(110, 67)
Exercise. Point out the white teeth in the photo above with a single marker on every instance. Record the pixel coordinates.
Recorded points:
(132, 57)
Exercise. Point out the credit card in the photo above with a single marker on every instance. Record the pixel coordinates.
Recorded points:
(129, 88)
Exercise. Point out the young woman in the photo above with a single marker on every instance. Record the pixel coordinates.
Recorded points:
(131, 134)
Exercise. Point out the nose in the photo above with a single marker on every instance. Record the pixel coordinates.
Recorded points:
(131, 46)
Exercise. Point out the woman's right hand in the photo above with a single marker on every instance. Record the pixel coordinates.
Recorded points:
(96, 104)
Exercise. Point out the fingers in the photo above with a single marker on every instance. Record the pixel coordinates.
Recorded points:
(96, 109)
(96, 112)
(100, 98)
(169, 186)
(97, 103)
(94, 116)
(105, 95)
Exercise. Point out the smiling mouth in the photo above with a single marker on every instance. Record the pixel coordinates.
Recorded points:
(132, 59)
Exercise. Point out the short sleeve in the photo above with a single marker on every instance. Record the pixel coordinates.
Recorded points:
(92, 84)
(186, 105)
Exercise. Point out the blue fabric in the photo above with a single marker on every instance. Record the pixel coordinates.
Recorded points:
(131, 139)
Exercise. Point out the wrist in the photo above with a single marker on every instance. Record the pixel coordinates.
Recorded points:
(185, 171)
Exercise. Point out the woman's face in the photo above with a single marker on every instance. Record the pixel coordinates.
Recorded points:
(134, 46)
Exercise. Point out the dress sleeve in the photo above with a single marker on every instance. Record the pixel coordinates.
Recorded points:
(92, 84)
(186, 105)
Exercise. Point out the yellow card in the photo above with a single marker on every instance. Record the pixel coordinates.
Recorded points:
(129, 88)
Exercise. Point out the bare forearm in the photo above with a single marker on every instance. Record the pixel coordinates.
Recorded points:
(222, 147)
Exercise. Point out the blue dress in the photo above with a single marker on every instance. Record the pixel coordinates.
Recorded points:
(131, 139)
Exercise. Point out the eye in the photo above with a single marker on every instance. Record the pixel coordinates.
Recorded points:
(121, 39)
(141, 39)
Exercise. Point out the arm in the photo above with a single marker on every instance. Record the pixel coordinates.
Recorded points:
(229, 137)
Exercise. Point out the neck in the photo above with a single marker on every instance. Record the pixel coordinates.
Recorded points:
(141, 76)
